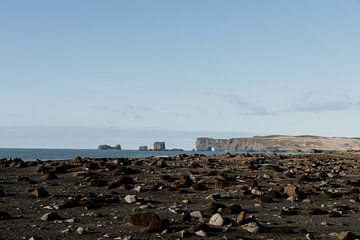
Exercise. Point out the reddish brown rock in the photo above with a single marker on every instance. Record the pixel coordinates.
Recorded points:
(346, 236)
(185, 181)
(143, 219)
(291, 190)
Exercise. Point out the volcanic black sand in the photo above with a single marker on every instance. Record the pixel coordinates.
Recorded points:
(248, 196)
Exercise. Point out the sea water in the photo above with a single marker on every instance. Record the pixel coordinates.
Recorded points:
(64, 154)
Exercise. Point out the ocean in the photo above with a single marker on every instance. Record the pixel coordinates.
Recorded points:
(65, 154)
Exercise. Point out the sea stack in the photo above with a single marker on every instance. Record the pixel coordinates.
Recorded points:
(159, 146)
(143, 148)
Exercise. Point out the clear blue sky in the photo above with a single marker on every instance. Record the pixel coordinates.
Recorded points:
(288, 67)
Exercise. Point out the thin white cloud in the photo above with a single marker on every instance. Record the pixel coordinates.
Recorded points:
(314, 103)
(247, 108)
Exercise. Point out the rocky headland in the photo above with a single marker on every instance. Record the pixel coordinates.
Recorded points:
(108, 147)
(279, 143)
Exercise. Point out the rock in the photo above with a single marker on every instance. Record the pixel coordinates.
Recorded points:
(122, 180)
(130, 198)
(291, 190)
(334, 214)
(157, 226)
(143, 148)
(5, 216)
(346, 236)
(198, 187)
(241, 218)
(138, 188)
(48, 176)
(233, 209)
(51, 216)
(251, 227)
(98, 183)
(2, 193)
(159, 146)
(36, 238)
(250, 183)
(196, 214)
(213, 208)
(185, 217)
(40, 193)
(185, 181)
(143, 219)
(80, 230)
(201, 233)
(216, 220)
(200, 226)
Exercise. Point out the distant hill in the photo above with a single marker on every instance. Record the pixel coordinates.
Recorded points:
(304, 143)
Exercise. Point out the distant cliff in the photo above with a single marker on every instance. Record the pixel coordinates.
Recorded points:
(107, 147)
(279, 143)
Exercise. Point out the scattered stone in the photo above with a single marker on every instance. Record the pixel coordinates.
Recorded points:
(251, 227)
(122, 181)
(291, 190)
(185, 181)
(346, 236)
(36, 238)
(241, 218)
(80, 230)
(51, 216)
(233, 209)
(48, 176)
(40, 193)
(130, 198)
(201, 233)
(216, 220)
(198, 187)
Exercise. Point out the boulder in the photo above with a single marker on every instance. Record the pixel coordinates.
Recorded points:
(143, 219)
(143, 148)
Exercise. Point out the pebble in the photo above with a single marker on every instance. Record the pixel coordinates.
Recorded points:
(51, 216)
(216, 220)
(251, 227)
(130, 198)
(201, 233)
(80, 230)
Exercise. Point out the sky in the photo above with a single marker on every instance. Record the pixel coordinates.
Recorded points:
(262, 67)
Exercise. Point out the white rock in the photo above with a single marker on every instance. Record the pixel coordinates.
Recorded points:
(80, 230)
(196, 214)
(201, 233)
(130, 198)
(216, 220)
(138, 188)
(70, 220)
(251, 227)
